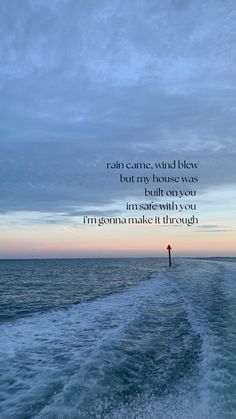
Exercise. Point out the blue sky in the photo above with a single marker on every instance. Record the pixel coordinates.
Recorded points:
(86, 82)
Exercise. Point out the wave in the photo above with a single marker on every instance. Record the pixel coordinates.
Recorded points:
(148, 351)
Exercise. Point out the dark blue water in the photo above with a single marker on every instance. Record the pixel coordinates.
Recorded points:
(117, 338)
(29, 286)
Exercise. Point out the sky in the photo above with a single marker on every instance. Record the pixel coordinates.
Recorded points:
(83, 83)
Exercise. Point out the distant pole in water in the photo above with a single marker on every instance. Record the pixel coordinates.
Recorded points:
(169, 249)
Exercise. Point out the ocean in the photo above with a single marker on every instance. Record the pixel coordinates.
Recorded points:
(118, 338)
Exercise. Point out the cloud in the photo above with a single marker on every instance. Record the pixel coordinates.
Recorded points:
(83, 83)
(212, 228)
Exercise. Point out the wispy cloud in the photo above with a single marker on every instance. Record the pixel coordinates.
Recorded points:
(83, 83)
(213, 228)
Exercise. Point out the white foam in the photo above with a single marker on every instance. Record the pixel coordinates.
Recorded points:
(59, 358)
(56, 349)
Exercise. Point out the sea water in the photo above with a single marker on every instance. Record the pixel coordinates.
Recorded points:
(117, 338)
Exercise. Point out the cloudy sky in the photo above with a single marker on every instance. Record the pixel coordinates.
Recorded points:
(83, 82)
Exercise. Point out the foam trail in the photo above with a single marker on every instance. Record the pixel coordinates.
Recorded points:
(155, 350)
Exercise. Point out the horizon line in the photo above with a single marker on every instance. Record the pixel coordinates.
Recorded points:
(115, 257)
